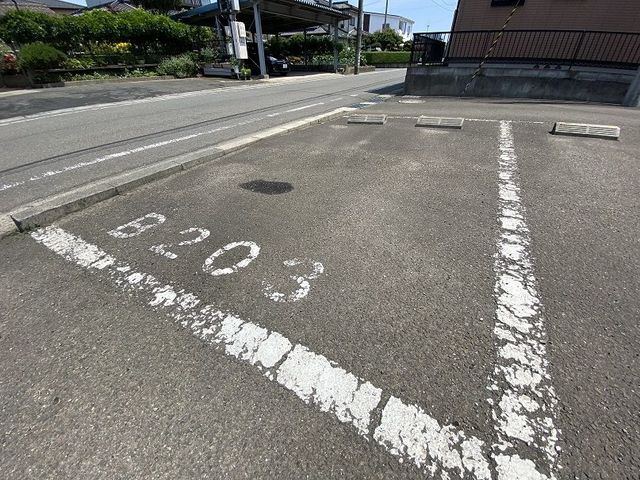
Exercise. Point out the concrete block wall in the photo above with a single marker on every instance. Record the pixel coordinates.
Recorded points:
(604, 87)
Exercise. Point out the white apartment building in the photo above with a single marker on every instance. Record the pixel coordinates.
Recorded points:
(374, 22)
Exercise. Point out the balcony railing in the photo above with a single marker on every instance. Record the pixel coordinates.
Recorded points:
(540, 47)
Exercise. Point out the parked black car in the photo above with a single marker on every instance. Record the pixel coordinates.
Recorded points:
(276, 64)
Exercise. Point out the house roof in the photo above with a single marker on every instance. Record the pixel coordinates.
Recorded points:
(7, 6)
(277, 15)
(319, 30)
(393, 16)
(59, 4)
(116, 6)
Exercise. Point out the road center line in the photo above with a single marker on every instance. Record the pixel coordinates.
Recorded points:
(523, 399)
(304, 107)
(111, 156)
(163, 98)
(404, 430)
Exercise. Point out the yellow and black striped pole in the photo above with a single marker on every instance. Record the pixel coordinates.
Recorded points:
(493, 45)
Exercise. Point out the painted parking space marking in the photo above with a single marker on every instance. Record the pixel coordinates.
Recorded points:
(302, 281)
(209, 263)
(404, 430)
(486, 120)
(523, 399)
(312, 269)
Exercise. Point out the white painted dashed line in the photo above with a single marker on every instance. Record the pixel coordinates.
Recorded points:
(152, 146)
(523, 399)
(404, 430)
(18, 92)
(304, 107)
(111, 156)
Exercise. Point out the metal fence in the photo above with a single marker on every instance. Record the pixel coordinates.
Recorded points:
(544, 47)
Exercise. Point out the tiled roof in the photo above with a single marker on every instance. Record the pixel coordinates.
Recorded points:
(59, 4)
(7, 6)
(116, 6)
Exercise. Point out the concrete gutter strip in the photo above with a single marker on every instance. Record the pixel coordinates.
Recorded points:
(52, 208)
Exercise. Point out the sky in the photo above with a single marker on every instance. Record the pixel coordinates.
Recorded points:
(429, 15)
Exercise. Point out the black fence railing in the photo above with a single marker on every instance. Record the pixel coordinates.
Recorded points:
(542, 47)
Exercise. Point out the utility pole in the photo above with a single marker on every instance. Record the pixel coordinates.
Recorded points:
(386, 9)
(356, 67)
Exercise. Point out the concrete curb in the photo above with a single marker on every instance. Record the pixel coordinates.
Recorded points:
(7, 226)
(52, 208)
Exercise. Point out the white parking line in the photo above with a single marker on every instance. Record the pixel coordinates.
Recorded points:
(404, 430)
(523, 398)
(487, 120)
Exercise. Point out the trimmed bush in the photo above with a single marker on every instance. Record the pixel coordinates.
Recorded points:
(182, 66)
(381, 58)
(386, 39)
(40, 56)
(297, 46)
(347, 56)
(145, 31)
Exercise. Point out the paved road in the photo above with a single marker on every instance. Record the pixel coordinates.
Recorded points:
(365, 302)
(66, 139)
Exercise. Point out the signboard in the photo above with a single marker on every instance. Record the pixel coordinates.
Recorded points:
(239, 34)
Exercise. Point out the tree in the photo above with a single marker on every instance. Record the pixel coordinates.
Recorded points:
(386, 39)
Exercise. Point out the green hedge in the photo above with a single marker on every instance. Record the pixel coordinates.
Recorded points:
(379, 58)
(40, 56)
(145, 31)
(297, 45)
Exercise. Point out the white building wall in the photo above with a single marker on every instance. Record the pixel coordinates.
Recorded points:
(403, 27)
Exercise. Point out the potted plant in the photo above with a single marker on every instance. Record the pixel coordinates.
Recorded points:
(245, 73)
(11, 75)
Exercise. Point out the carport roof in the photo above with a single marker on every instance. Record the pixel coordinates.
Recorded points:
(277, 15)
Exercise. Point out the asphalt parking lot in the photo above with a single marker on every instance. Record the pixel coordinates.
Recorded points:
(344, 301)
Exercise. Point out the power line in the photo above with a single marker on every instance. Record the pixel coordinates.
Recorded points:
(442, 6)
